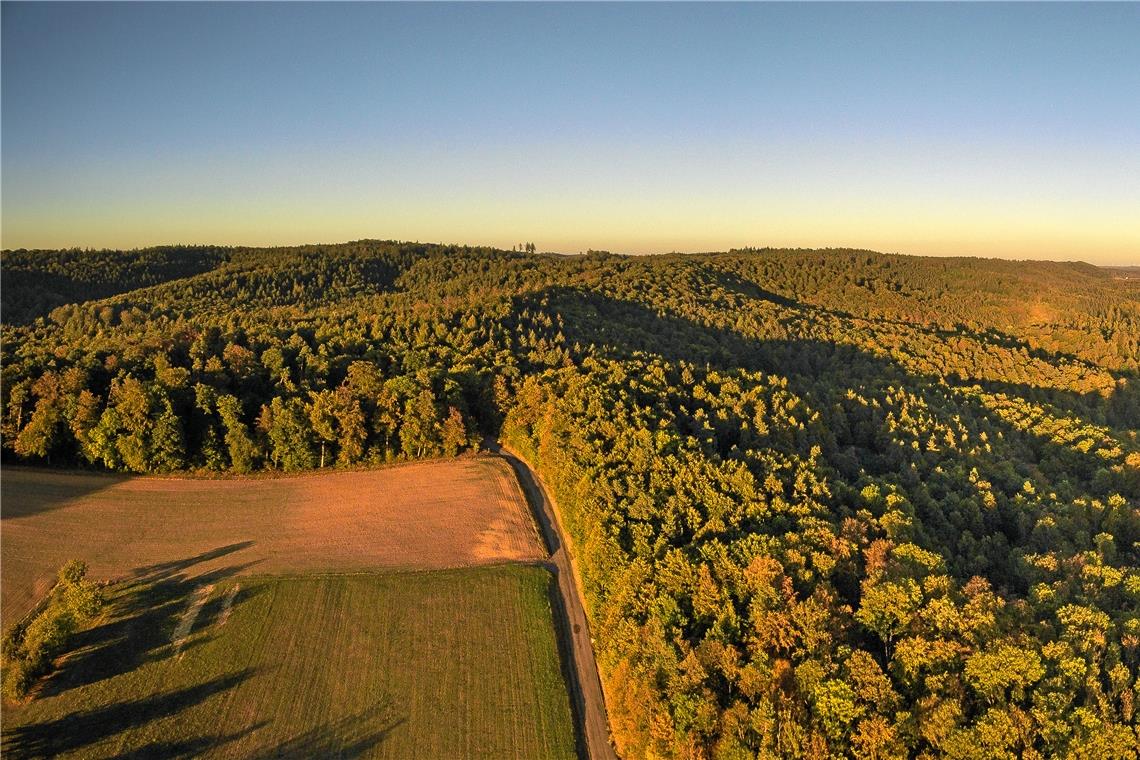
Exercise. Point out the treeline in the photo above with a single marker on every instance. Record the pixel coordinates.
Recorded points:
(827, 503)
(224, 403)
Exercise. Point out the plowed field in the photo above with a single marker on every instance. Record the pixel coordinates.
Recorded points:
(437, 514)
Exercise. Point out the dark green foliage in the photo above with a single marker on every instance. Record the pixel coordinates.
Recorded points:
(824, 502)
(36, 282)
(238, 442)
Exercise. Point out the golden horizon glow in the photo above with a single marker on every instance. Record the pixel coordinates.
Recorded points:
(1107, 240)
(972, 130)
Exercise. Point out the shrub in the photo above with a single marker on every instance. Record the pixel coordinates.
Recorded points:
(31, 646)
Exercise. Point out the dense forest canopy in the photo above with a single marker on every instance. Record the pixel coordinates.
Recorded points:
(825, 503)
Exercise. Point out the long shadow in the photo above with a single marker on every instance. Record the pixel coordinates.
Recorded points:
(990, 334)
(629, 329)
(215, 608)
(819, 372)
(1121, 410)
(28, 491)
(183, 748)
(533, 495)
(143, 613)
(346, 737)
(76, 731)
(732, 281)
(32, 289)
(176, 750)
(632, 327)
(161, 570)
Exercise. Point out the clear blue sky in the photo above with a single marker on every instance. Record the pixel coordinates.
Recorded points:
(1006, 130)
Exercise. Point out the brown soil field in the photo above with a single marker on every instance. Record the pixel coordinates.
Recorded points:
(436, 514)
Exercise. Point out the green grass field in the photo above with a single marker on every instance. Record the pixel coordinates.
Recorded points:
(439, 664)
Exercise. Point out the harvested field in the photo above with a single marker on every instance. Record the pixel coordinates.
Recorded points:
(436, 664)
(437, 514)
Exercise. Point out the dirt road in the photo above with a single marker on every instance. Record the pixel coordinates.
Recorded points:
(586, 687)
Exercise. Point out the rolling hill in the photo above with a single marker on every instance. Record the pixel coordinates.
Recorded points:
(823, 502)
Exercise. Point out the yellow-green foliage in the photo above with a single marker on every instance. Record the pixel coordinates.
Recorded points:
(774, 463)
(31, 646)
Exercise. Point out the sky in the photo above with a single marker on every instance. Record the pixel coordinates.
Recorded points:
(937, 129)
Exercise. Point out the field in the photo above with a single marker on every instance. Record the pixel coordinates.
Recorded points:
(437, 514)
(439, 664)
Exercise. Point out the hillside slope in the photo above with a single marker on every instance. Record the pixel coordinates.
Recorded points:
(824, 502)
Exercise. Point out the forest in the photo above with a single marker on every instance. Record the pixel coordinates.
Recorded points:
(826, 503)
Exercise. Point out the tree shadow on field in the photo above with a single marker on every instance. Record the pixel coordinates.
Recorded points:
(143, 613)
(162, 570)
(347, 737)
(215, 608)
(28, 491)
(181, 748)
(80, 730)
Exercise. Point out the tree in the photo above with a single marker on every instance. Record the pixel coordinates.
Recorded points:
(290, 434)
(1004, 670)
(353, 433)
(322, 415)
(453, 433)
(241, 448)
(388, 417)
(167, 443)
(888, 607)
(419, 432)
(83, 421)
(128, 429)
(18, 396)
(41, 434)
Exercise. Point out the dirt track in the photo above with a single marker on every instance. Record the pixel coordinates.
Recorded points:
(436, 514)
(586, 688)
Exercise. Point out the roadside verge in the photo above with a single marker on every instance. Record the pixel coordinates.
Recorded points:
(587, 691)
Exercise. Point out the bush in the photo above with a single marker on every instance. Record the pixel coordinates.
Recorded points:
(31, 646)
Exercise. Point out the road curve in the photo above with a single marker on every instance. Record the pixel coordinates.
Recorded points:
(590, 701)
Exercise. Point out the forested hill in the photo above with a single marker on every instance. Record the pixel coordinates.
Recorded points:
(35, 282)
(825, 503)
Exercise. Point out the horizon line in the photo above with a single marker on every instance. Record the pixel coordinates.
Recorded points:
(674, 252)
